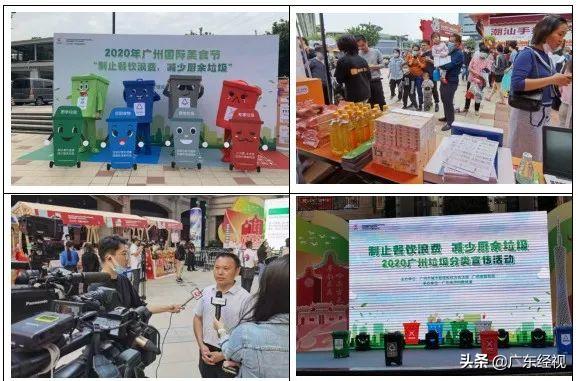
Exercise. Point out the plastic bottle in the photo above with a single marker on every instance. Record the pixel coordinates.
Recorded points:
(525, 171)
(335, 138)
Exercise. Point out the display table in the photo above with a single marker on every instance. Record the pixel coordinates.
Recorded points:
(419, 361)
(372, 170)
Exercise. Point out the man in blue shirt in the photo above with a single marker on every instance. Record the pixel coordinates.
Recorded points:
(69, 257)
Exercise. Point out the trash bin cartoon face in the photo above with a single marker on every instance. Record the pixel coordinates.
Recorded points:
(89, 94)
(140, 96)
(122, 124)
(183, 91)
(67, 135)
(245, 139)
(235, 95)
(186, 127)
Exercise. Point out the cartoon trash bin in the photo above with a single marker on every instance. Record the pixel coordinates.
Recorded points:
(186, 126)
(121, 139)
(183, 91)
(489, 343)
(245, 140)
(340, 344)
(564, 339)
(66, 136)
(235, 94)
(411, 332)
(140, 96)
(393, 348)
(89, 94)
(438, 327)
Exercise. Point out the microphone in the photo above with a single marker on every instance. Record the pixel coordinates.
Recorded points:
(218, 301)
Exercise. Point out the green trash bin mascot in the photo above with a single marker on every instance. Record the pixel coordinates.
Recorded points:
(89, 94)
(66, 136)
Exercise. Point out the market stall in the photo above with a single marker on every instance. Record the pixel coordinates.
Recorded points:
(161, 261)
(401, 146)
(84, 225)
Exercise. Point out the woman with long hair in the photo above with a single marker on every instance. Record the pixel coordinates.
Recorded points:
(534, 76)
(260, 343)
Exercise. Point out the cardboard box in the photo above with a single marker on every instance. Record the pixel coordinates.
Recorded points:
(404, 140)
(309, 90)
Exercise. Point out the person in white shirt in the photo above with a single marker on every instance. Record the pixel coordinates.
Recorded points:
(135, 260)
(249, 262)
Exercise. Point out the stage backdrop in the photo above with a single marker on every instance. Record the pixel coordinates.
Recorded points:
(322, 243)
(122, 57)
(243, 222)
(276, 222)
(467, 268)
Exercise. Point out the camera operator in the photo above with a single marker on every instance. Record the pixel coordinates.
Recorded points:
(37, 253)
(226, 268)
(260, 343)
(112, 251)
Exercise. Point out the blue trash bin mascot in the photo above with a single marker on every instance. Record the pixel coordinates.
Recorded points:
(121, 139)
(140, 96)
(186, 126)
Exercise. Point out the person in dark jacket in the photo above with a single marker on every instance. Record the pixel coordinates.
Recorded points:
(90, 262)
(353, 71)
(448, 90)
(180, 256)
(190, 261)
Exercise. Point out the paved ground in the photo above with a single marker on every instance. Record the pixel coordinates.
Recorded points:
(36, 172)
(487, 109)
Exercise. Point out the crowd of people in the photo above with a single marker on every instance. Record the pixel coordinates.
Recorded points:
(538, 77)
(250, 339)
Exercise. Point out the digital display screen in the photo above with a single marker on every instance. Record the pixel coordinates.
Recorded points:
(462, 271)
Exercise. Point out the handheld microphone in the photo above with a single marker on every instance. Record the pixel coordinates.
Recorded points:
(218, 301)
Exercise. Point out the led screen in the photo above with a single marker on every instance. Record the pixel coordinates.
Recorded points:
(462, 271)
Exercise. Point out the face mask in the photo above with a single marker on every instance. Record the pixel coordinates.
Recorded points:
(547, 48)
(415, 52)
(405, 71)
(483, 55)
(396, 55)
(117, 268)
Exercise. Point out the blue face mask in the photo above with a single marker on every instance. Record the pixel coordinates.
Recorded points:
(118, 268)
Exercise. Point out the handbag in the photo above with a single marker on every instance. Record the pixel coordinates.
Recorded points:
(436, 74)
(527, 100)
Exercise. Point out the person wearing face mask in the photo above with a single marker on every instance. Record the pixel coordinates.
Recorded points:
(479, 69)
(449, 87)
(408, 87)
(353, 71)
(317, 67)
(395, 74)
(112, 251)
(417, 64)
(533, 70)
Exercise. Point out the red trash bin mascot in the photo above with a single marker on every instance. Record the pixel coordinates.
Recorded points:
(235, 94)
(245, 140)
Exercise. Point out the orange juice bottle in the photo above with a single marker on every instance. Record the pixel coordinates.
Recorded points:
(334, 135)
(344, 132)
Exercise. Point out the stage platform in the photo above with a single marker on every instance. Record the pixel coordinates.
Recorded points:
(423, 362)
